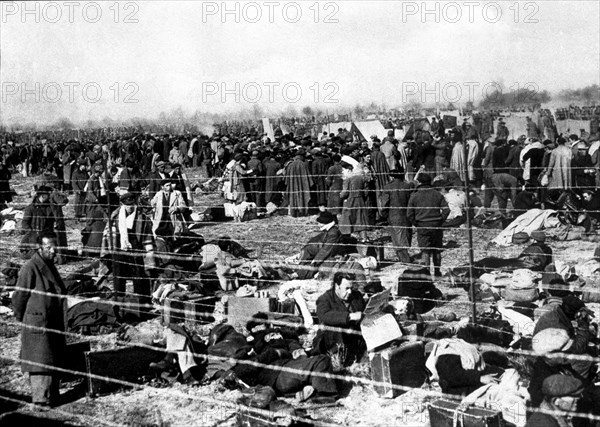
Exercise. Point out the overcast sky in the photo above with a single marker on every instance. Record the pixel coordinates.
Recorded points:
(182, 54)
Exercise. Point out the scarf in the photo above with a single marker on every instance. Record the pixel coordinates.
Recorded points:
(125, 224)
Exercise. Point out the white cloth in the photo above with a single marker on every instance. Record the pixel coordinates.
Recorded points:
(125, 224)
(457, 202)
(470, 358)
(532, 220)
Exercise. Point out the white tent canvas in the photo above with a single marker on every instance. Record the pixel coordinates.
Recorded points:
(371, 127)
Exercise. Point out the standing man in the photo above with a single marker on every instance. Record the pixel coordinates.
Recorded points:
(396, 195)
(41, 313)
(132, 244)
(427, 211)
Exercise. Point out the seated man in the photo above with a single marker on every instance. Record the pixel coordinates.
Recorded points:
(561, 393)
(280, 348)
(561, 318)
(321, 247)
(537, 255)
(340, 307)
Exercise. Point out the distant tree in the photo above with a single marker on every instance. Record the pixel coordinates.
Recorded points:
(307, 111)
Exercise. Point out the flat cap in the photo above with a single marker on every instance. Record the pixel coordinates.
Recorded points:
(560, 385)
(551, 339)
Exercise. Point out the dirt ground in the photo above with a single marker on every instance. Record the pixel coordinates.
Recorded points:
(275, 239)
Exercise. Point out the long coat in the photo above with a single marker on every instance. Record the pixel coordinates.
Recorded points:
(334, 185)
(355, 212)
(37, 217)
(177, 219)
(298, 183)
(318, 169)
(559, 168)
(40, 310)
(272, 180)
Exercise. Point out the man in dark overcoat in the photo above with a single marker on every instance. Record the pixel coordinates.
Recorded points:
(38, 305)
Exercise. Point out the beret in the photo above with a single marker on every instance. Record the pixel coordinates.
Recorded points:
(127, 199)
(551, 339)
(560, 385)
(326, 218)
(259, 318)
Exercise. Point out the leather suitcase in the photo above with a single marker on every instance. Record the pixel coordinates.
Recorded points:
(402, 365)
(241, 309)
(198, 309)
(446, 413)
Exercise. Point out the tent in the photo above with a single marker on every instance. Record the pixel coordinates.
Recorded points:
(568, 127)
(268, 129)
(418, 124)
(367, 128)
(517, 126)
(333, 127)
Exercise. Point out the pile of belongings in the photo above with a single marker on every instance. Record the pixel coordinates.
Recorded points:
(8, 220)
(518, 286)
(532, 220)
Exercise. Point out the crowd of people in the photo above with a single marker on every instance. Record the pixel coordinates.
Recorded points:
(136, 200)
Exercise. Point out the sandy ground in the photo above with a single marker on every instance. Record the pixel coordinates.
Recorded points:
(275, 238)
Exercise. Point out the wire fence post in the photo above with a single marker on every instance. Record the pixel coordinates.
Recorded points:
(469, 231)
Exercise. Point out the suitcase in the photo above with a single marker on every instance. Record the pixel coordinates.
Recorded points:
(419, 288)
(196, 309)
(124, 364)
(402, 365)
(241, 309)
(446, 413)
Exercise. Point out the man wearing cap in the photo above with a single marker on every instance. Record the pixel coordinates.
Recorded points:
(554, 332)
(292, 369)
(298, 182)
(256, 182)
(78, 181)
(168, 204)
(132, 244)
(95, 187)
(395, 196)
(501, 130)
(39, 217)
(322, 247)
(561, 394)
(427, 211)
(156, 178)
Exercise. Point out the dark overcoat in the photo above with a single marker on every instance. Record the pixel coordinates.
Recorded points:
(41, 312)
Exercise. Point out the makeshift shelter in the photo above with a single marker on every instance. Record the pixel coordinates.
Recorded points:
(418, 124)
(367, 128)
(568, 127)
(516, 126)
(333, 127)
(268, 129)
